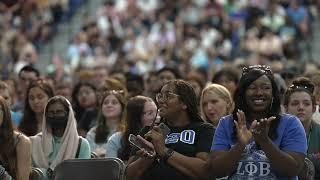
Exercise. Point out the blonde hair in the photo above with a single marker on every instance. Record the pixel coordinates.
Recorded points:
(222, 92)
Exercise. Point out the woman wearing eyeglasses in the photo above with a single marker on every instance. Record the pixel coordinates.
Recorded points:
(111, 119)
(256, 141)
(59, 139)
(300, 101)
(180, 154)
(141, 112)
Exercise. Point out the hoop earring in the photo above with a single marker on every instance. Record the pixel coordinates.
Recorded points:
(271, 104)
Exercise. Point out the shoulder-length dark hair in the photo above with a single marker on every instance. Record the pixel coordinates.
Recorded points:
(188, 97)
(29, 122)
(252, 74)
(135, 107)
(75, 103)
(7, 143)
(102, 130)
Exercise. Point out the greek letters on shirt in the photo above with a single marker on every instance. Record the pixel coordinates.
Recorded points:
(253, 164)
(186, 136)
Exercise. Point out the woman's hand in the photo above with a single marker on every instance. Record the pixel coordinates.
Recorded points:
(100, 152)
(260, 129)
(143, 153)
(244, 134)
(157, 139)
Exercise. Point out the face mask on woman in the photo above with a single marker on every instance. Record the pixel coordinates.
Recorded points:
(57, 122)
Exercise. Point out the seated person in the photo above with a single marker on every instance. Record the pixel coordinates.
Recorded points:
(5, 92)
(59, 139)
(300, 101)
(15, 151)
(182, 153)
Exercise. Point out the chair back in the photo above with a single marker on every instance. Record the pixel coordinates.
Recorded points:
(95, 169)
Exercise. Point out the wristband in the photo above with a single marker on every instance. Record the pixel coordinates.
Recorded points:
(167, 155)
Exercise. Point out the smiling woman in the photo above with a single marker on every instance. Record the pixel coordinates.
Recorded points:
(179, 154)
(110, 119)
(256, 135)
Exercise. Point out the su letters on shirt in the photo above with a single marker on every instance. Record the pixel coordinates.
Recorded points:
(186, 136)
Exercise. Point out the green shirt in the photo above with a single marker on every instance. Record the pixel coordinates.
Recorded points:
(84, 152)
(314, 139)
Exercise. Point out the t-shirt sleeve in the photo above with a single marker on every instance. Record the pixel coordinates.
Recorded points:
(113, 145)
(84, 149)
(220, 139)
(294, 137)
(90, 138)
(206, 133)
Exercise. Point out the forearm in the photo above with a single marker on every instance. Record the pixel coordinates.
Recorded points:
(191, 166)
(135, 169)
(223, 163)
(281, 161)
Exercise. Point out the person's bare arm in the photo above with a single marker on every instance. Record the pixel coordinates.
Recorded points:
(285, 163)
(194, 167)
(23, 158)
(222, 163)
(138, 165)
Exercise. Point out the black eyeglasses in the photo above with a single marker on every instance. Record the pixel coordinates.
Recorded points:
(265, 69)
(165, 96)
(308, 87)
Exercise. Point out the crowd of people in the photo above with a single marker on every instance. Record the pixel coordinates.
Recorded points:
(190, 65)
(243, 127)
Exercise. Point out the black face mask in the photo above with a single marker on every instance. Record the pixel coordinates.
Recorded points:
(57, 122)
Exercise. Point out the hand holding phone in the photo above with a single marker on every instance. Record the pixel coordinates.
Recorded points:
(164, 129)
(140, 144)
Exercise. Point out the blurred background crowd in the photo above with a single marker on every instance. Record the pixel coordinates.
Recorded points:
(102, 53)
(142, 36)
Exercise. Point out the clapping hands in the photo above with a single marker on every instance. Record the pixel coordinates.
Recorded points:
(258, 129)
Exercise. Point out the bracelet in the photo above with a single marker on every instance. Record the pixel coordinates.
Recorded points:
(167, 155)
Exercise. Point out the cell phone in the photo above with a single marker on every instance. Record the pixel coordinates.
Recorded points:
(165, 129)
(138, 143)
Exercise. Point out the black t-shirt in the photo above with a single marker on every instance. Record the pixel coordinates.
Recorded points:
(189, 140)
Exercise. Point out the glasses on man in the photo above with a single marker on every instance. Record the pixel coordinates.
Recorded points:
(165, 96)
(265, 69)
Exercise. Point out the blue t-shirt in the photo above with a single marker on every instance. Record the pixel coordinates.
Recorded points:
(254, 164)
